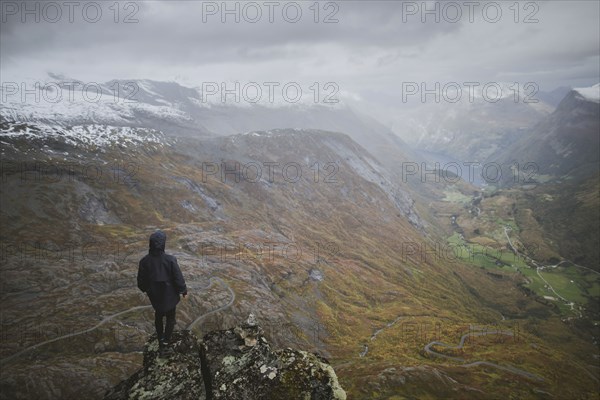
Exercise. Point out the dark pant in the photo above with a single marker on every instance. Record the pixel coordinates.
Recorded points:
(158, 323)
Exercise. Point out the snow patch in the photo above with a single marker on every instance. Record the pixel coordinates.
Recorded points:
(590, 93)
(96, 135)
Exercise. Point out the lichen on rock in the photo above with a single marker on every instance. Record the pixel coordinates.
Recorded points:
(177, 376)
(231, 364)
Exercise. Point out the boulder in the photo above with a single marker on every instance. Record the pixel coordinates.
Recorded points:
(232, 364)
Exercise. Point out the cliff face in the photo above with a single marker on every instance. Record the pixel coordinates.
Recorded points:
(233, 364)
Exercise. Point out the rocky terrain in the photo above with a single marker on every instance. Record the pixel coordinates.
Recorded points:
(237, 363)
(310, 230)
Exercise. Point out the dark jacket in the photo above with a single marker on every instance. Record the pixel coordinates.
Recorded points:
(159, 275)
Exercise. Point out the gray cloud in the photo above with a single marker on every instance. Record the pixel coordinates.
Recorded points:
(370, 50)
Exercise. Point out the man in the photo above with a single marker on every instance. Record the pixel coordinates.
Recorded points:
(160, 277)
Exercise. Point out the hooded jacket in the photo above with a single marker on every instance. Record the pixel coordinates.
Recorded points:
(159, 275)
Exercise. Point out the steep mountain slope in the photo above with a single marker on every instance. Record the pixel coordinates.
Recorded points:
(566, 218)
(564, 145)
(70, 103)
(472, 128)
(554, 97)
(181, 111)
(77, 212)
(304, 228)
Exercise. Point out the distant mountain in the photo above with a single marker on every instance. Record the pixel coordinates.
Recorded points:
(470, 129)
(70, 103)
(554, 169)
(180, 111)
(564, 145)
(554, 97)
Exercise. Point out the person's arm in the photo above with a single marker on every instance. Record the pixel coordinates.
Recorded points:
(141, 278)
(178, 279)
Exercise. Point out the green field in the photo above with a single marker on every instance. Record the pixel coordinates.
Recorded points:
(483, 256)
(572, 283)
(454, 196)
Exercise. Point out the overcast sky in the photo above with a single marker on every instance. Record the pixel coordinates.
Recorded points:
(371, 49)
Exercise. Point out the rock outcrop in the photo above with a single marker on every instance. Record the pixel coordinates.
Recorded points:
(231, 364)
(177, 376)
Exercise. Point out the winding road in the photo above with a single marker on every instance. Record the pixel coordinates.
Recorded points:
(506, 229)
(377, 332)
(536, 263)
(483, 331)
(508, 368)
(460, 345)
(104, 320)
(428, 348)
(136, 308)
(539, 267)
(216, 310)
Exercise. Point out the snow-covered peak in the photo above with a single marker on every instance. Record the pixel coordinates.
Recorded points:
(590, 93)
(72, 102)
(86, 135)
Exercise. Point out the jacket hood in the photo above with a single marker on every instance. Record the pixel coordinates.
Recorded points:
(158, 240)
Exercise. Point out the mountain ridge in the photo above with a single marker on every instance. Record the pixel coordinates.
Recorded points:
(564, 145)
